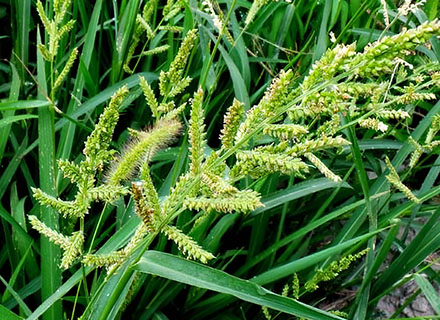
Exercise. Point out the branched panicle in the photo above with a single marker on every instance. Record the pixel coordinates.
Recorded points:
(142, 148)
(231, 123)
(187, 245)
(99, 140)
(55, 29)
(197, 133)
(378, 58)
(329, 65)
(274, 98)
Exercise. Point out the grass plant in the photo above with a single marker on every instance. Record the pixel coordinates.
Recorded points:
(218, 159)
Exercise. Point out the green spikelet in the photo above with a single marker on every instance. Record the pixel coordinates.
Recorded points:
(329, 64)
(433, 130)
(332, 271)
(322, 167)
(55, 29)
(66, 208)
(179, 87)
(104, 259)
(258, 164)
(374, 124)
(187, 245)
(139, 234)
(177, 67)
(72, 245)
(266, 312)
(149, 96)
(144, 210)
(54, 236)
(197, 133)
(321, 143)
(156, 50)
(416, 154)
(231, 123)
(253, 11)
(274, 98)
(242, 201)
(70, 170)
(394, 179)
(142, 148)
(107, 193)
(146, 26)
(101, 136)
(173, 114)
(165, 107)
(217, 185)
(378, 58)
(285, 131)
(74, 250)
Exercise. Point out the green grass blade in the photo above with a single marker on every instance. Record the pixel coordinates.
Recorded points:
(192, 273)
(13, 96)
(237, 80)
(426, 242)
(20, 301)
(322, 43)
(23, 17)
(295, 192)
(9, 120)
(6, 314)
(429, 292)
(23, 104)
(50, 253)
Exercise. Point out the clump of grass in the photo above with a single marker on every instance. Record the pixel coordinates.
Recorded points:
(297, 180)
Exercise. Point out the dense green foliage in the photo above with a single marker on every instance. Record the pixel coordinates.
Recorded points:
(217, 159)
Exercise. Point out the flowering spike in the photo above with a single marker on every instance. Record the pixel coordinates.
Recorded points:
(187, 245)
(231, 123)
(142, 148)
(197, 133)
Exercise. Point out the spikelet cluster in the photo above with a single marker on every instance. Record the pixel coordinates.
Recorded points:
(141, 148)
(394, 179)
(56, 28)
(146, 29)
(342, 83)
(333, 270)
(72, 246)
